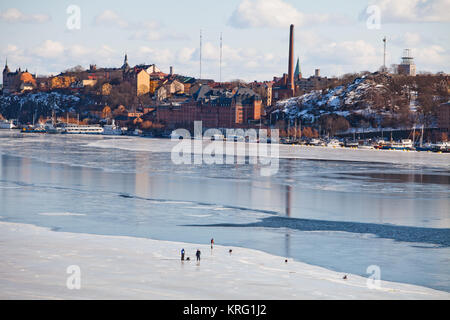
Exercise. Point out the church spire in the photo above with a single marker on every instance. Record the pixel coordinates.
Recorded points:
(298, 71)
(6, 69)
(125, 62)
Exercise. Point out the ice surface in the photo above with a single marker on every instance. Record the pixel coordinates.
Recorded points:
(292, 152)
(35, 260)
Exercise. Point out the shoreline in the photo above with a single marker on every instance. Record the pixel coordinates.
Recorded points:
(35, 261)
(283, 151)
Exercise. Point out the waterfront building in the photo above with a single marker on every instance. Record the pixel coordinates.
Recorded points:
(216, 108)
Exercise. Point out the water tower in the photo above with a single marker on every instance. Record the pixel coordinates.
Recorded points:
(407, 67)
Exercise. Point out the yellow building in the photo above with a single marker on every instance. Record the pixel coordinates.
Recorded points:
(154, 84)
(139, 79)
(61, 82)
(142, 83)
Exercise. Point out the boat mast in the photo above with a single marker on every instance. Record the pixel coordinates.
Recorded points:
(296, 120)
(421, 137)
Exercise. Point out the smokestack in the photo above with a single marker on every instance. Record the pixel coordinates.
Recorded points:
(291, 61)
(171, 70)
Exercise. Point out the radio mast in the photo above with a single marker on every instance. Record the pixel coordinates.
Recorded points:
(200, 53)
(220, 68)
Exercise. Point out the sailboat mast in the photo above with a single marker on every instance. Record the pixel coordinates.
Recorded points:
(421, 137)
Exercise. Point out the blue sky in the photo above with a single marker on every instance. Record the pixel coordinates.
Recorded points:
(330, 35)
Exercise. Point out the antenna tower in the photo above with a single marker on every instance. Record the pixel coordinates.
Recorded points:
(220, 71)
(200, 53)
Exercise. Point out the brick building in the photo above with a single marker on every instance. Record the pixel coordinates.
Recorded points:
(216, 108)
(444, 118)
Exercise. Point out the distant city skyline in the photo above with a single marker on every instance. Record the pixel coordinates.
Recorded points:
(330, 37)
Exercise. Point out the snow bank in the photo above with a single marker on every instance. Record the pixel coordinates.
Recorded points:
(35, 260)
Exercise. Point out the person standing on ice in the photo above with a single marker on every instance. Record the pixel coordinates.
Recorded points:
(212, 243)
(198, 254)
(182, 254)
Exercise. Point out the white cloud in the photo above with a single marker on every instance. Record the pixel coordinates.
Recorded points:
(185, 55)
(152, 31)
(338, 57)
(252, 64)
(16, 56)
(147, 35)
(15, 15)
(432, 58)
(147, 30)
(49, 49)
(274, 13)
(402, 11)
(260, 13)
(156, 55)
(79, 51)
(357, 53)
(407, 40)
(110, 18)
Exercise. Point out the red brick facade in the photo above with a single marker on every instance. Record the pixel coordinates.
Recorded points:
(212, 116)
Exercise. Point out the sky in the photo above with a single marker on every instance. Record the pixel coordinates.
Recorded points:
(337, 37)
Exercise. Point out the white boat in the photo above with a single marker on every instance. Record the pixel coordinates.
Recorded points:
(405, 144)
(333, 143)
(7, 124)
(314, 142)
(82, 129)
(442, 146)
(351, 144)
(366, 147)
(112, 129)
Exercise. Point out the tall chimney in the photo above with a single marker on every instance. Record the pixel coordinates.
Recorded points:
(291, 83)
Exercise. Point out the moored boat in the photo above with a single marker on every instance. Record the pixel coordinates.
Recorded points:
(7, 124)
(82, 129)
(112, 129)
(404, 144)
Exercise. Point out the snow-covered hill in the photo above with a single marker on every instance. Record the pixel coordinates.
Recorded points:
(371, 100)
(53, 100)
(28, 105)
(345, 100)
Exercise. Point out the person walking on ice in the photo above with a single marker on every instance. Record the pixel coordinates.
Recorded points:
(198, 255)
(212, 243)
(182, 254)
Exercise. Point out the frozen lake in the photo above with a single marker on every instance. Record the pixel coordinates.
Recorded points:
(344, 210)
